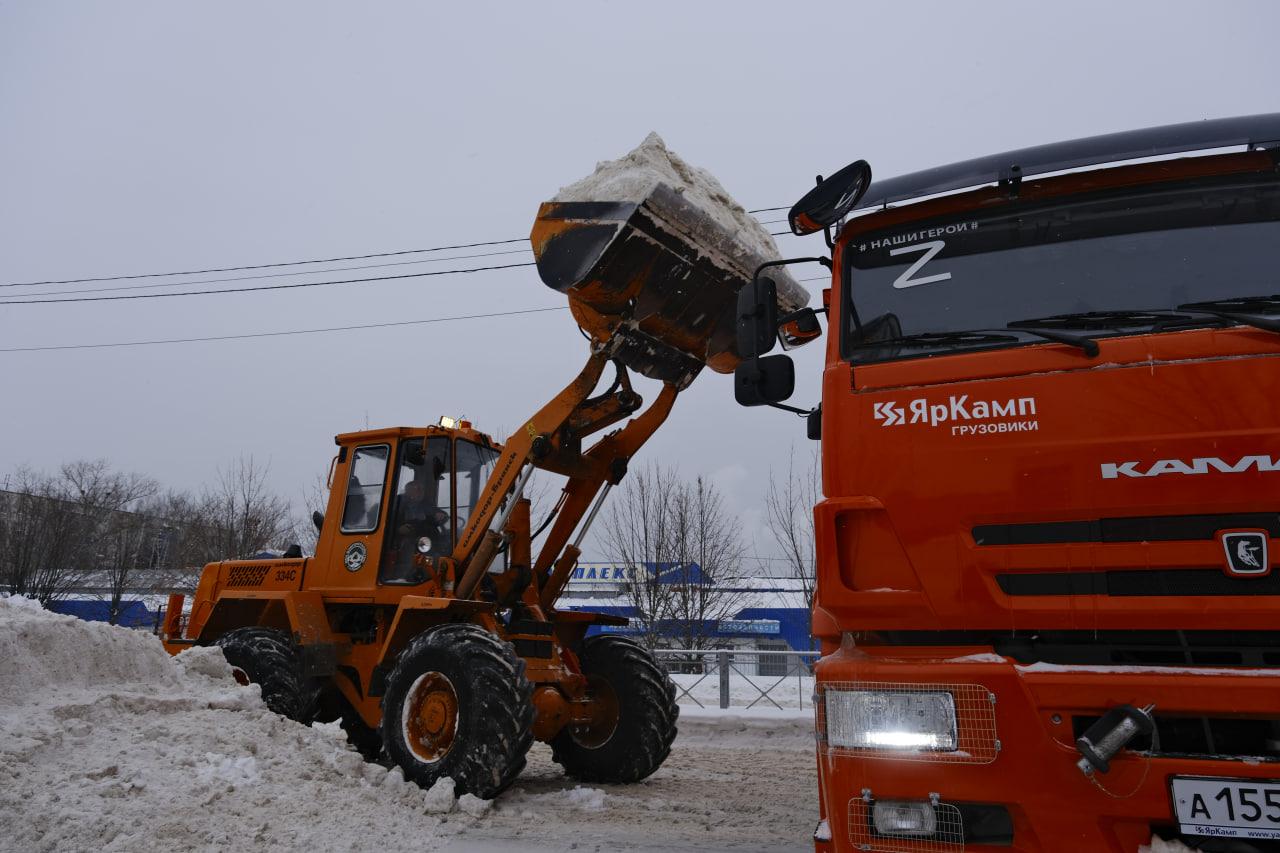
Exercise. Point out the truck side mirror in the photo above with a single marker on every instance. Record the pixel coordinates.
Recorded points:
(762, 381)
(829, 202)
(798, 328)
(757, 317)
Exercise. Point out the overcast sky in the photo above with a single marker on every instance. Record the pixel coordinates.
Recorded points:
(147, 137)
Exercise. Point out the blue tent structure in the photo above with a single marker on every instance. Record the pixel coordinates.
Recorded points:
(133, 614)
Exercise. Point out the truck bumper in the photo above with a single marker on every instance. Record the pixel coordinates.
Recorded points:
(1016, 764)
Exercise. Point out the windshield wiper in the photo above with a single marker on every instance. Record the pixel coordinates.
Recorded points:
(1244, 304)
(1159, 319)
(1257, 311)
(978, 337)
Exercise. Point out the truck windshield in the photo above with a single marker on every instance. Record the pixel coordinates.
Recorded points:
(1132, 253)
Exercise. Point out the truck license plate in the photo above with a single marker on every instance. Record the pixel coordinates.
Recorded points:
(1236, 808)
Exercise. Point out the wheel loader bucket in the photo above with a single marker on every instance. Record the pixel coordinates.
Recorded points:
(651, 273)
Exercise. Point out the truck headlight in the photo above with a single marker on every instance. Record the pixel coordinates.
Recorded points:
(896, 818)
(883, 719)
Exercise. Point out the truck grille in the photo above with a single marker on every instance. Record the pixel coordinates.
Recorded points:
(1138, 582)
(1205, 737)
(1153, 528)
(1256, 649)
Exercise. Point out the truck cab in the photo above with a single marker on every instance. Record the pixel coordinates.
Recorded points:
(1051, 465)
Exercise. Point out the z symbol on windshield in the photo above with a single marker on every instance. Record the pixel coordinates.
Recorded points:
(931, 250)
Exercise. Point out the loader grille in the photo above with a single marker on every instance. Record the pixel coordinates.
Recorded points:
(242, 576)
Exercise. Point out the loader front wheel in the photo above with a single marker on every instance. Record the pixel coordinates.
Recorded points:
(631, 733)
(457, 704)
(268, 658)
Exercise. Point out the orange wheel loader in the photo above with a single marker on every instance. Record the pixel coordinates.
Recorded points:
(425, 620)
(1047, 597)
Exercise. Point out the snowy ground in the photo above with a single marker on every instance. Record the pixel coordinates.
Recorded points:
(107, 743)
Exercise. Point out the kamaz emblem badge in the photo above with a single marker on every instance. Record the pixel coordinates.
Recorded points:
(1246, 553)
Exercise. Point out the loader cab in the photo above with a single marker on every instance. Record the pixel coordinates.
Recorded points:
(398, 501)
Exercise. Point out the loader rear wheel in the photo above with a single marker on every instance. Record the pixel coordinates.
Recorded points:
(268, 658)
(457, 704)
(631, 733)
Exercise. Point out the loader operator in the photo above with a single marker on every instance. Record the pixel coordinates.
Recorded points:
(416, 518)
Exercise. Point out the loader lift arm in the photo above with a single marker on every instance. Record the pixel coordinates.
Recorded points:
(551, 440)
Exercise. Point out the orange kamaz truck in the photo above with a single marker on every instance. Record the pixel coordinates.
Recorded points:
(1046, 599)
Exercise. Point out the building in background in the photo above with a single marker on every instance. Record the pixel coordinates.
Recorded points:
(766, 613)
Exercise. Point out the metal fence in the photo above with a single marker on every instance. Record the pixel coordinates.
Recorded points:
(740, 678)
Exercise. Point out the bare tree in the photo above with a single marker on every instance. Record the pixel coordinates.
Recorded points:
(637, 532)
(41, 545)
(680, 550)
(116, 538)
(59, 533)
(708, 552)
(239, 516)
(125, 559)
(181, 538)
(315, 499)
(789, 506)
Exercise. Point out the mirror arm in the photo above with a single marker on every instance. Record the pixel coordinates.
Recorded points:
(826, 262)
(804, 413)
(794, 315)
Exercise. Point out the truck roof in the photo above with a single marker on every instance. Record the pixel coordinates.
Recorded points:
(1257, 131)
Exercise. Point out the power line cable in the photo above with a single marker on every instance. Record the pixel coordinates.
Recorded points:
(284, 333)
(273, 274)
(303, 263)
(261, 287)
(265, 266)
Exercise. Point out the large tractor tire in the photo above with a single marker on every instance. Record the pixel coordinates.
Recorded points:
(268, 658)
(637, 715)
(457, 704)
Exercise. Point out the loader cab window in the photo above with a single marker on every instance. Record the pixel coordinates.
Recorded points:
(475, 464)
(420, 510)
(364, 489)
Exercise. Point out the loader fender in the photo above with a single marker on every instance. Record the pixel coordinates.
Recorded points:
(417, 613)
(571, 625)
(301, 614)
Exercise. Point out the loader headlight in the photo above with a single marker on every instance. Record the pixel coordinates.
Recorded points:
(424, 545)
(883, 719)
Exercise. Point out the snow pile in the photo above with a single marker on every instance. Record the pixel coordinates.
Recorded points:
(108, 743)
(632, 177)
(587, 799)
